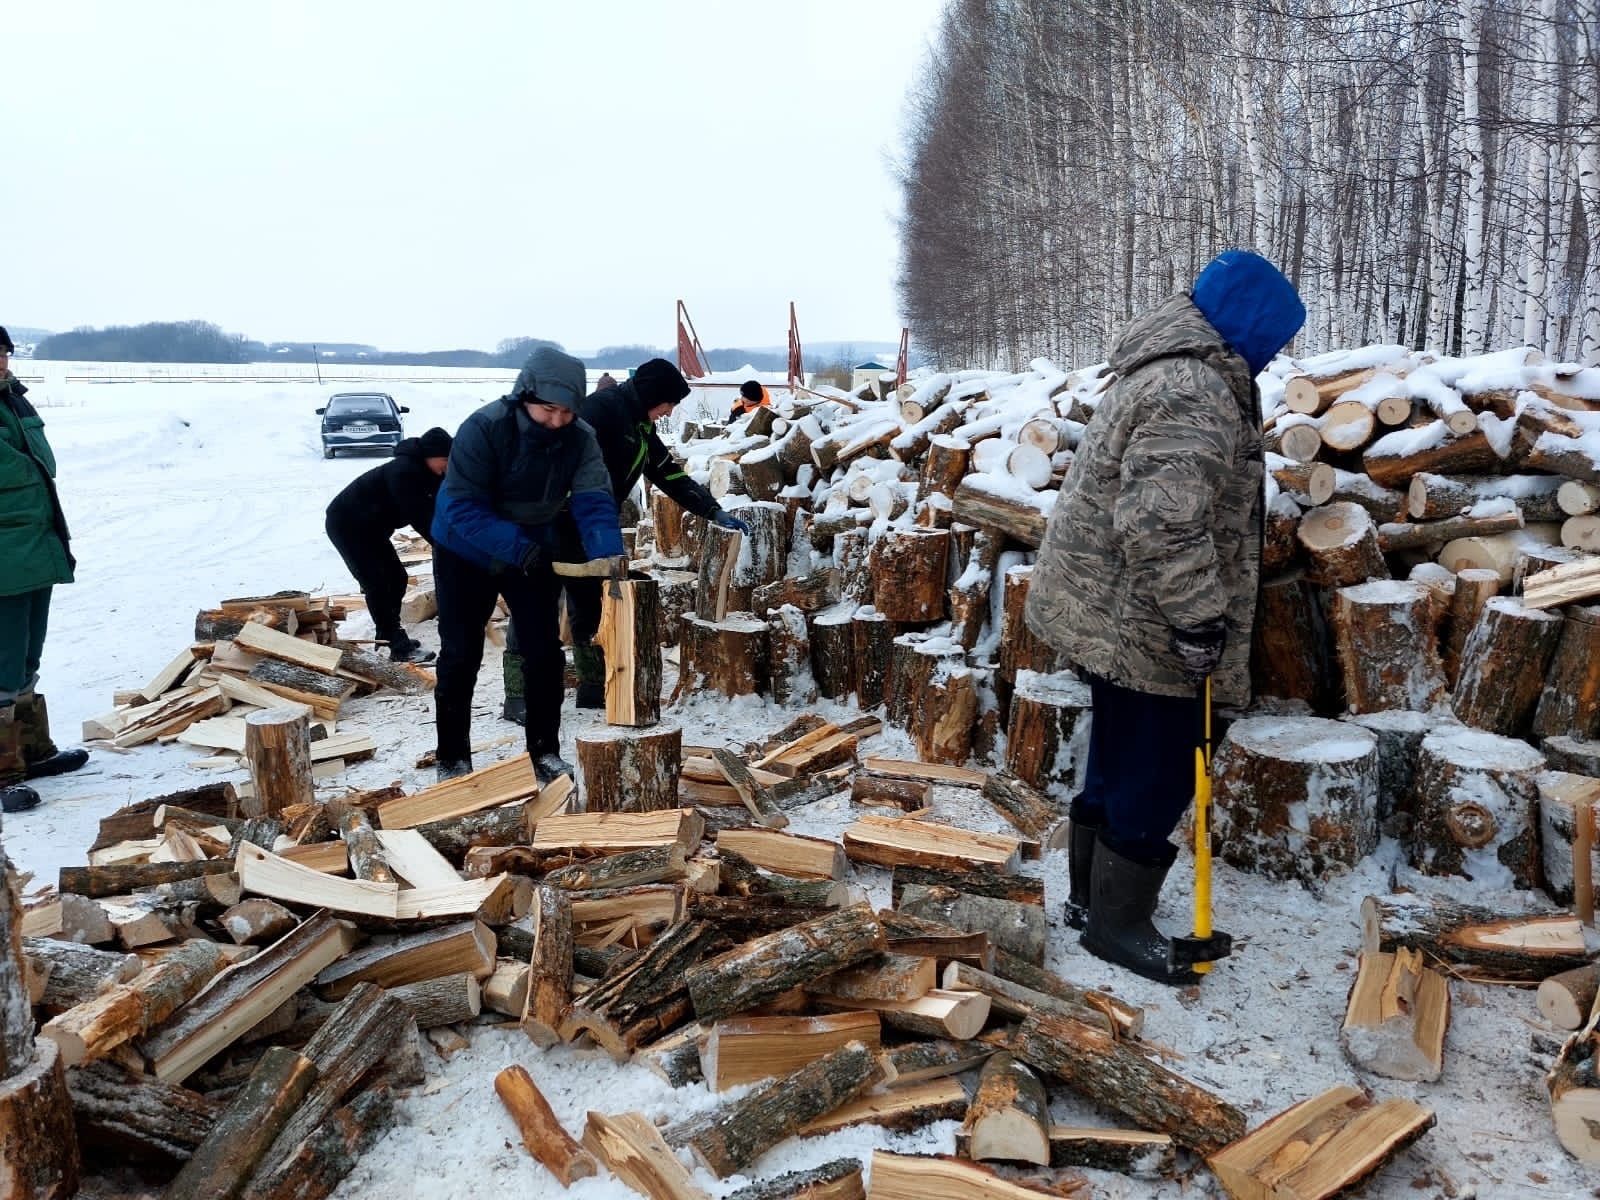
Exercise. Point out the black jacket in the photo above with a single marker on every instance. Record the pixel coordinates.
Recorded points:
(631, 448)
(400, 492)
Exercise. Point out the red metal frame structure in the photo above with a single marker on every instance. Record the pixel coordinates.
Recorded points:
(691, 357)
(797, 365)
(905, 353)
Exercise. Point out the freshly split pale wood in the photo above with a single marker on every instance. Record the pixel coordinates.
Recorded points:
(1009, 1117)
(413, 858)
(549, 988)
(888, 842)
(259, 639)
(629, 618)
(936, 773)
(944, 943)
(1564, 584)
(1575, 1094)
(937, 1014)
(506, 990)
(1483, 942)
(1567, 1000)
(719, 555)
(468, 946)
(541, 1133)
(268, 874)
(913, 1177)
(489, 787)
(787, 854)
(749, 1049)
(68, 917)
(620, 831)
(901, 1108)
(326, 858)
(1320, 1148)
(633, 1150)
(1395, 1021)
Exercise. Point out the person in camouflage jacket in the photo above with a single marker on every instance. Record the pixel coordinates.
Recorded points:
(1147, 579)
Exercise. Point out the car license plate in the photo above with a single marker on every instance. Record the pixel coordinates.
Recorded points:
(360, 430)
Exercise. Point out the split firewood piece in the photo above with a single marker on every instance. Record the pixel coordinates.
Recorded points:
(549, 966)
(99, 882)
(635, 909)
(1341, 543)
(321, 1162)
(541, 1133)
(244, 1132)
(1504, 662)
(75, 974)
(976, 881)
(367, 859)
(836, 1180)
(737, 876)
(620, 831)
(763, 808)
(633, 1150)
(317, 692)
(653, 864)
(1491, 944)
(1118, 1076)
(1564, 584)
(908, 795)
(1030, 811)
(265, 832)
(68, 918)
(258, 639)
(786, 853)
(938, 773)
(916, 1062)
(1016, 1001)
(643, 1000)
(1476, 801)
(1386, 637)
(242, 996)
(676, 1057)
(1125, 1151)
(630, 770)
(735, 1135)
(1321, 1147)
(1009, 1117)
(935, 1014)
(630, 616)
(891, 841)
(414, 860)
(1395, 1021)
(94, 1029)
(125, 1113)
(1569, 705)
(468, 946)
(750, 1049)
(881, 977)
(918, 1177)
(763, 969)
(1566, 838)
(505, 991)
(1018, 928)
(1567, 1000)
(278, 749)
(487, 787)
(819, 749)
(898, 1108)
(933, 939)
(272, 875)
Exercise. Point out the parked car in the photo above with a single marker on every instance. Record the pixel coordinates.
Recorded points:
(361, 421)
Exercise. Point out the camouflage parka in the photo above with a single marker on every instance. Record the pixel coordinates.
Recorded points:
(1158, 524)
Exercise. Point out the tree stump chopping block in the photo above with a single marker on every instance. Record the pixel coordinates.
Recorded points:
(38, 1140)
(910, 574)
(674, 597)
(629, 634)
(727, 656)
(872, 640)
(913, 661)
(1341, 544)
(761, 559)
(628, 771)
(1047, 738)
(947, 716)
(1385, 634)
(833, 663)
(1569, 706)
(277, 745)
(1296, 797)
(1292, 656)
(789, 656)
(1399, 733)
(1503, 664)
(1476, 802)
(1564, 800)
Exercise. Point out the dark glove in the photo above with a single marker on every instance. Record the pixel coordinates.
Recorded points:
(729, 521)
(532, 560)
(1199, 649)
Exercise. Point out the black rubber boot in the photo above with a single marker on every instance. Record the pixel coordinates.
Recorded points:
(15, 797)
(405, 648)
(590, 663)
(547, 768)
(1122, 899)
(39, 753)
(1081, 838)
(452, 770)
(515, 708)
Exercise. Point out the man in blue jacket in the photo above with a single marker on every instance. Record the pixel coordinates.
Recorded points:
(515, 465)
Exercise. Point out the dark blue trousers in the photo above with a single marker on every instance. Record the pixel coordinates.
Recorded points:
(1140, 774)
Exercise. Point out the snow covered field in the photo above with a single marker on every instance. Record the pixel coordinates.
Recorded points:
(182, 494)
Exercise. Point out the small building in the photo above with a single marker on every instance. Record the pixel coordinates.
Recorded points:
(869, 375)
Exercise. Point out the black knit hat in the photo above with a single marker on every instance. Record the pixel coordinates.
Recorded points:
(659, 382)
(435, 443)
(5, 340)
(750, 389)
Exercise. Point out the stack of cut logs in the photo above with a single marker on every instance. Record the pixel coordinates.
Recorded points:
(249, 656)
(245, 1014)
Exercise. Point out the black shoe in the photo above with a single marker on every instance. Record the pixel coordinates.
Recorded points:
(1123, 896)
(1081, 837)
(453, 769)
(402, 646)
(17, 798)
(58, 763)
(591, 695)
(547, 768)
(515, 710)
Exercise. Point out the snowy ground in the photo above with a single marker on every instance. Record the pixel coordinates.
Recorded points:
(181, 494)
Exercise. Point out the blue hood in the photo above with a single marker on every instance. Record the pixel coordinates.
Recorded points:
(1250, 303)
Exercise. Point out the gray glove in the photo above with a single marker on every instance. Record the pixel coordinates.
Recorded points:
(1199, 649)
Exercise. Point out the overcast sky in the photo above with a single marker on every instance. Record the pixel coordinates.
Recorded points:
(446, 175)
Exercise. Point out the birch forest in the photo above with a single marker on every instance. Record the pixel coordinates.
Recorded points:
(1426, 171)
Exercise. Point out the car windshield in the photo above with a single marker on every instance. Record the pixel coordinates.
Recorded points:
(358, 406)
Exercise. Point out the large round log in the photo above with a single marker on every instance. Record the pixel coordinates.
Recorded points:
(872, 643)
(1293, 651)
(833, 662)
(727, 656)
(1399, 732)
(1474, 588)
(946, 716)
(789, 656)
(764, 551)
(1280, 542)
(1574, 1087)
(674, 597)
(1296, 797)
(1341, 543)
(1569, 705)
(277, 746)
(945, 466)
(913, 661)
(910, 574)
(1493, 943)
(1047, 737)
(626, 770)
(1385, 636)
(1020, 648)
(38, 1139)
(1476, 802)
(1503, 663)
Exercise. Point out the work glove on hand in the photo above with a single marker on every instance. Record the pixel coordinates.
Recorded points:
(729, 521)
(1199, 649)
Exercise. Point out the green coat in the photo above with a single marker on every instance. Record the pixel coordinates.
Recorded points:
(33, 531)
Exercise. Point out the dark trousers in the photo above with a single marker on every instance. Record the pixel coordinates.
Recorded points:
(583, 612)
(466, 595)
(1140, 774)
(23, 620)
(371, 558)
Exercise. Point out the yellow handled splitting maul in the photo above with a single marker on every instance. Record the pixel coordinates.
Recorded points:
(1204, 946)
(614, 569)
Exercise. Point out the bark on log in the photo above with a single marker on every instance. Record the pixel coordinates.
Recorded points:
(646, 998)
(1574, 1088)
(979, 504)
(1280, 542)
(1475, 587)
(1047, 737)
(100, 882)
(947, 716)
(913, 662)
(945, 466)
(833, 663)
(975, 881)
(1009, 1117)
(222, 1165)
(1115, 1075)
(836, 1180)
(1489, 943)
(550, 967)
(454, 836)
(1566, 816)
(789, 656)
(628, 637)
(124, 1116)
(277, 745)
(321, 1162)
(913, 935)
(38, 1141)
(1292, 656)
(1393, 463)
(727, 656)
(366, 852)
(719, 554)
(675, 592)
(1399, 734)
(1386, 637)
(1569, 705)
(908, 795)
(765, 968)
(541, 1132)
(460, 946)
(75, 974)
(1296, 797)
(1431, 497)
(626, 771)
(872, 642)
(137, 820)
(1030, 811)
(1016, 1001)
(1341, 545)
(762, 472)
(1476, 808)
(910, 573)
(666, 516)
(1503, 666)
(1567, 1000)
(1429, 536)
(810, 593)
(1018, 928)
(1020, 648)
(969, 594)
